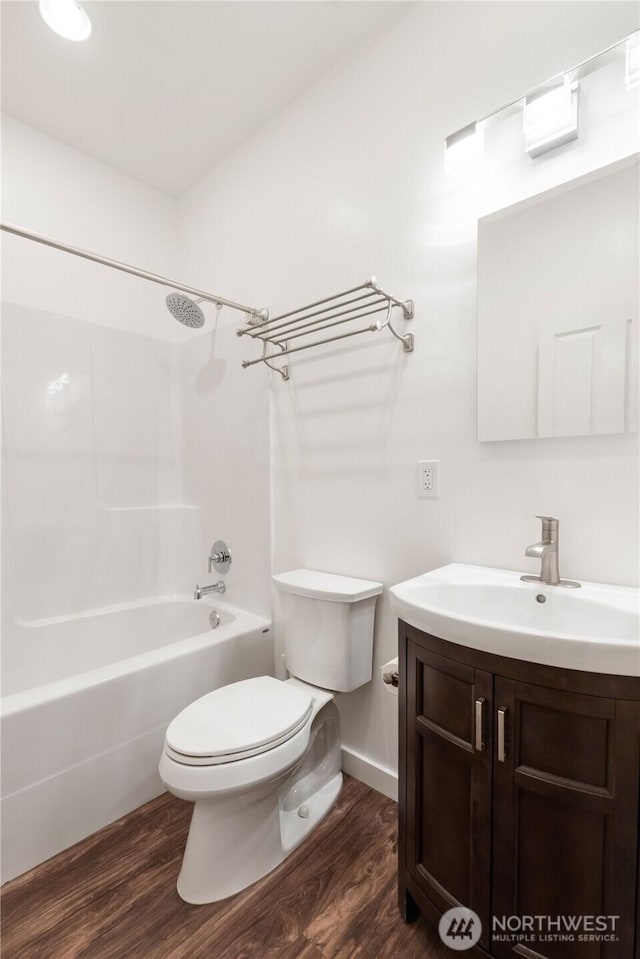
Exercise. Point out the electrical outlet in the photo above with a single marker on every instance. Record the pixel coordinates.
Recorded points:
(428, 478)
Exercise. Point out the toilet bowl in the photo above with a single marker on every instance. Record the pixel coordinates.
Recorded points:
(261, 758)
(260, 789)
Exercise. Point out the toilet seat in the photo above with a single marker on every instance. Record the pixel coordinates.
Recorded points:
(238, 721)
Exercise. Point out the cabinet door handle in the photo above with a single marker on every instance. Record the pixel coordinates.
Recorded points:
(480, 724)
(502, 712)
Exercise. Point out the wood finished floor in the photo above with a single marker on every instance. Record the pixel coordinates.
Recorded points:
(113, 895)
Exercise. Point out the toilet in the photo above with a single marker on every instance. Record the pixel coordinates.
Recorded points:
(261, 758)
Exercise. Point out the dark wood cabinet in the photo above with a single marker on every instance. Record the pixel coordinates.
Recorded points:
(519, 788)
(449, 815)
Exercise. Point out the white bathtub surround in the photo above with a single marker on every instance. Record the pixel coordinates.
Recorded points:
(85, 748)
(176, 422)
(95, 513)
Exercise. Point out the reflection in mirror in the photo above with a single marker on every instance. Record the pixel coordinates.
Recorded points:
(558, 281)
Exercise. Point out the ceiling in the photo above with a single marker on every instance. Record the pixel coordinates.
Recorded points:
(164, 90)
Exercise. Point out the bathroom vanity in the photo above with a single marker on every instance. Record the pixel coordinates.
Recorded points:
(519, 780)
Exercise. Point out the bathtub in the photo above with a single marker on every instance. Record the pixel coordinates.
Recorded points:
(86, 704)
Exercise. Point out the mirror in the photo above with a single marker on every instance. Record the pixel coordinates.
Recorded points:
(558, 282)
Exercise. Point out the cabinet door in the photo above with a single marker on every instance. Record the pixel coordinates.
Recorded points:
(565, 817)
(448, 832)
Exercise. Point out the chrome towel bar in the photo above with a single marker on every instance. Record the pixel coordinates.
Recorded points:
(306, 321)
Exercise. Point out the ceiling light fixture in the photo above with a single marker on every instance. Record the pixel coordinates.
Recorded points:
(66, 18)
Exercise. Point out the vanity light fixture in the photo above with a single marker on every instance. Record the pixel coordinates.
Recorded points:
(632, 61)
(66, 18)
(550, 110)
(551, 117)
(464, 150)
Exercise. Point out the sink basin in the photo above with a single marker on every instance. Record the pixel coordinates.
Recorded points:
(595, 628)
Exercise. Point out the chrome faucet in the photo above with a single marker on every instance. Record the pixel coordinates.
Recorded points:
(547, 551)
(220, 560)
(201, 591)
(220, 557)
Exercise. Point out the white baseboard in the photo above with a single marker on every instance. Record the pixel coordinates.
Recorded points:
(371, 773)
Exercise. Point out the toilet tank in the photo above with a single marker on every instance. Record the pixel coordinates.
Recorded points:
(326, 623)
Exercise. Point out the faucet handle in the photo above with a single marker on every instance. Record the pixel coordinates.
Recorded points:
(220, 557)
(550, 525)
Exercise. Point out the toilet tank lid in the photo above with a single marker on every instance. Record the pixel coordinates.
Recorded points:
(327, 586)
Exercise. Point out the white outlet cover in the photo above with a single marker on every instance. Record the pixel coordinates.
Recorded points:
(428, 479)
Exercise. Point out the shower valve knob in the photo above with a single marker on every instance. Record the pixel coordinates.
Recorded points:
(220, 557)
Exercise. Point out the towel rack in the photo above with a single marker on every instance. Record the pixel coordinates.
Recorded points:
(296, 330)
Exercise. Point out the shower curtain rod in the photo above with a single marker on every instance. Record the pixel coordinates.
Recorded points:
(260, 315)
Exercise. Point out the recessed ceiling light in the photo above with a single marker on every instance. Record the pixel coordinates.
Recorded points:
(66, 18)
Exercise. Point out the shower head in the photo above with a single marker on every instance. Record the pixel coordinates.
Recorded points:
(185, 310)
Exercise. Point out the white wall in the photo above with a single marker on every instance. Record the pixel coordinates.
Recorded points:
(53, 189)
(347, 182)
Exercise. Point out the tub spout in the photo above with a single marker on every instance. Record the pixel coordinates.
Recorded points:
(201, 591)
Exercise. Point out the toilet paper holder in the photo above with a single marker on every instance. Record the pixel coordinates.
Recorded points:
(390, 676)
